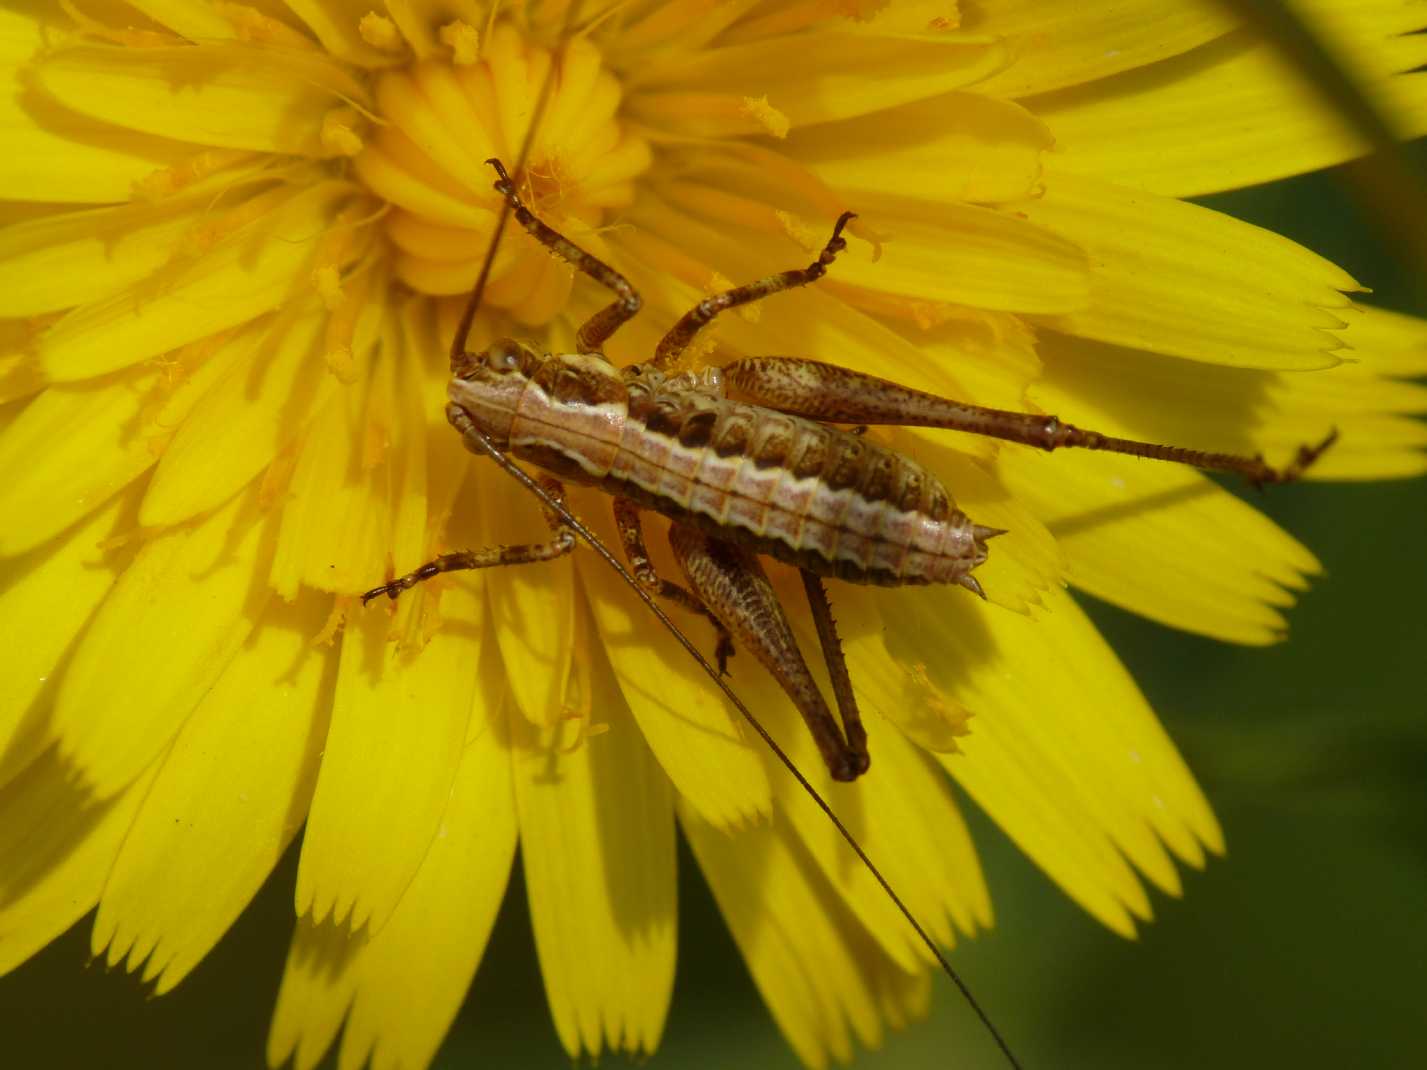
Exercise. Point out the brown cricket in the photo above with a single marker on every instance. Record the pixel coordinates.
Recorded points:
(762, 474)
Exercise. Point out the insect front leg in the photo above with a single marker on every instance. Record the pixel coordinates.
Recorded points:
(631, 533)
(833, 394)
(682, 333)
(491, 557)
(596, 330)
(732, 583)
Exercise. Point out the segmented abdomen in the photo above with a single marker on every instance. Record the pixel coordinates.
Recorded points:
(810, 495)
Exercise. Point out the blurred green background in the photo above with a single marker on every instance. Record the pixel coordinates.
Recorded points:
(1306, 946)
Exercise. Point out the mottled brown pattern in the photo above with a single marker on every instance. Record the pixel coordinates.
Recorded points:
(878, 477)
(811, 495)
(730, 581)
(844, 467)
(811, 454)
(731, 435)
(697, 429)
(773, 438)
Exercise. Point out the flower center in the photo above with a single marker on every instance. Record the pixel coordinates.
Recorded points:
(442, 121)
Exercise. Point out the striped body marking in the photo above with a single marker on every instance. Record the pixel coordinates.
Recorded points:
(810, 495)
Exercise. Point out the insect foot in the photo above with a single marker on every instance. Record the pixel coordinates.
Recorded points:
(1306, 457)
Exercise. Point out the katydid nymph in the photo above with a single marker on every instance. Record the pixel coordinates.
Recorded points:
(747, 461)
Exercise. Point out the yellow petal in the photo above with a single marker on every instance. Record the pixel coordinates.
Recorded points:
(1159, 539)
(229, 798)
(20, 375)
(700, 742)
(1054, 45)
(1388, 343)
(1079, 788)
(900, 693)
(532, 606)
(252, 271)
(51, 153)
(1236, 410)
(230, 95)
(808, 321)
(244, 420)
(56, 848)
(684, 23)
(1087, 713)
(100, 416)
(75, 445)
(197, 22)
(1236, 112)
(1176, 278)
(319, 982)
(821, 976)
(993, 356)
(338, 28)
(953, 253)
(968, 148)
(902, 812)
(828, 75)
(399, 719)
(409, 986)
(36, 627)
(597, 842)
(361, 470)
(159, 641)
(59, 261)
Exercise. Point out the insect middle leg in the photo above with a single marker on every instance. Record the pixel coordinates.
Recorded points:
(732, 583)
(631, 534)
(491, 557)
(596, 330)
(682, 333)
(833, 394)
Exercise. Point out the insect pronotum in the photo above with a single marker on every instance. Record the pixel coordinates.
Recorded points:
(766, 473)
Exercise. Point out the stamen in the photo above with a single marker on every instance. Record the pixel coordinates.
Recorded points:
(255, 27)
(339, 132)
(336, 620)
(170, 180)
(381, 33)
(277, 477)
(464, 41)
(204, 236)
(770, 118)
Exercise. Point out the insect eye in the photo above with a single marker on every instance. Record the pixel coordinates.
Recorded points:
(503, 357)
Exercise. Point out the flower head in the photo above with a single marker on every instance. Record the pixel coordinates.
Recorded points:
(242, 238)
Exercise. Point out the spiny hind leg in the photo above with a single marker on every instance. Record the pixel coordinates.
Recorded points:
(490, 557)
(836, 663)
(732, 583)
(682, 333)
(833, 394)
(597, 329)
(631, 534)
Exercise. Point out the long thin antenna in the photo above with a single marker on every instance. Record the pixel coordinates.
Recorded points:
(578, 527)
(458, 347)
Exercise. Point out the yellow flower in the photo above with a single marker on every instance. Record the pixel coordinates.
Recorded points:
(239, 240)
